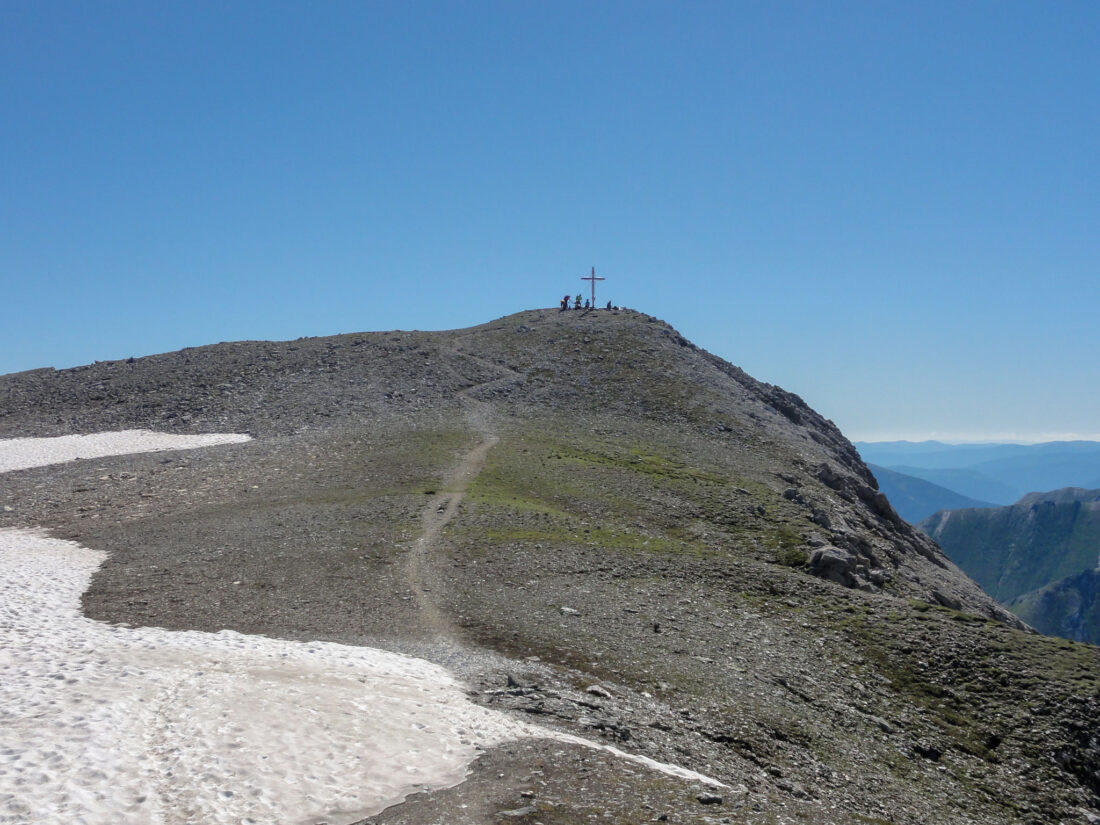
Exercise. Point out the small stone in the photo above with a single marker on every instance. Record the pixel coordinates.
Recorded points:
(516, 813)
(882, 724)
(709, 799)
(597, 690)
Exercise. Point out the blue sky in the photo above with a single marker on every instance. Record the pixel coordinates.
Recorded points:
(890, 209)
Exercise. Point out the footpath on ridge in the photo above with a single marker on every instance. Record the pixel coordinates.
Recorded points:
(420, 571)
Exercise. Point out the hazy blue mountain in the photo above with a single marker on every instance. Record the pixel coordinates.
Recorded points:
(1025, 462)
(999, 473)
(914, 498)
(1062, 464)
(1014, 550)
(966, 482)
(934, 454)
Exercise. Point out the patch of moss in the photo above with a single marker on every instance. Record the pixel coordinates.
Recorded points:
(603, 538)
(640, 460)
(501, 496)
(792, 557)
(787, 544)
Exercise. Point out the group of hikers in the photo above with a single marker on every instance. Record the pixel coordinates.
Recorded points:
(577, 303)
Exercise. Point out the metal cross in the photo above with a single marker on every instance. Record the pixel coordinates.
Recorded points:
(593, 279)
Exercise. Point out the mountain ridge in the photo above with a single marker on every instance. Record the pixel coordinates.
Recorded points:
(1038, 555)
(1025, 546)
(177, 391)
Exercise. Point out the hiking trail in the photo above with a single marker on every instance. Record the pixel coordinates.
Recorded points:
(420, 572)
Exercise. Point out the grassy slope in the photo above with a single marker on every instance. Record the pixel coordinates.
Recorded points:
(1010, 551)
(799, 677)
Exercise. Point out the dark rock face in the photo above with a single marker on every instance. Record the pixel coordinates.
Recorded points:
(656, 551)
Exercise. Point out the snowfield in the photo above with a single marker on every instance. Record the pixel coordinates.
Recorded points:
(21, 453)
(110, 725)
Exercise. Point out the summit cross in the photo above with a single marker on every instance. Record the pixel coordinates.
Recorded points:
(593, 279)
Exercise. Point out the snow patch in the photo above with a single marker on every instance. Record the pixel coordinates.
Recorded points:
(21, 453)
(108, 725)
(111, 725)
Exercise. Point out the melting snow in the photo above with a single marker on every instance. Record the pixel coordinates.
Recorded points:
(21, 453)
(106, 724)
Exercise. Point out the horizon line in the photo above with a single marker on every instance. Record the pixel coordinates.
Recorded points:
(957, 439)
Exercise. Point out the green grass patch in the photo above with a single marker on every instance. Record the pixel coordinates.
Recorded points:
(639, 460)
(602, 538)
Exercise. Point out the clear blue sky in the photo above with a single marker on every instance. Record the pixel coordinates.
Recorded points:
(889, 208)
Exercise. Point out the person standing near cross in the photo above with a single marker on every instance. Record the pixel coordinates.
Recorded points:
(592, 278)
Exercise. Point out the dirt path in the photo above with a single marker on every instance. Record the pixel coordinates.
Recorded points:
(421, 573)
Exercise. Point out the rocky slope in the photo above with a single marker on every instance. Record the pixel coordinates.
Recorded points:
(599, 526)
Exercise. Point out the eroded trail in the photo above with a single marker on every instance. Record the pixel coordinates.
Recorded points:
(422, 575)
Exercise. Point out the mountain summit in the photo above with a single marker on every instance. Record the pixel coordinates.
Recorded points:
(596, 525)
(620, 379)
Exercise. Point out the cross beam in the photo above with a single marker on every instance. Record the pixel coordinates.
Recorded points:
(592, 278)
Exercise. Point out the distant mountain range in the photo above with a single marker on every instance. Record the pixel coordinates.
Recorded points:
(1039, 557)
(998, 473)
(1038, 552)
(971, 484)
(915, 498)
(937, 454)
